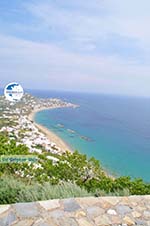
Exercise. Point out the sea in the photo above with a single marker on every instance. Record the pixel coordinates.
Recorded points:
(113, 129)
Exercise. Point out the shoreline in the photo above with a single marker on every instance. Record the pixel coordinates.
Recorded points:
(54, 137)
(48, 133)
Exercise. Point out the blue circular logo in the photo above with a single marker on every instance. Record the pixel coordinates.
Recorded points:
(13, 91)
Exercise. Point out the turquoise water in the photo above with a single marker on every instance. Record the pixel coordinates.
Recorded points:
(115, 130)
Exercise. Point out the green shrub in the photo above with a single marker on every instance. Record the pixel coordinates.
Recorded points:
(9, 189)
(14, 190)
(74, 175)
(47, 191)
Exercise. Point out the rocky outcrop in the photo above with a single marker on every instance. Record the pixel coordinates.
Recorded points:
(102, 211)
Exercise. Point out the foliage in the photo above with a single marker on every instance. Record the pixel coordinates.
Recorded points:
(14, 190)
(72, 175)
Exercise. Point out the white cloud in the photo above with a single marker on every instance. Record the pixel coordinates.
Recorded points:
(35, 65)
(103, 18)
(84, 26)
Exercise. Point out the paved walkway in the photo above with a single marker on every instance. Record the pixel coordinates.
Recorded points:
(103, 211)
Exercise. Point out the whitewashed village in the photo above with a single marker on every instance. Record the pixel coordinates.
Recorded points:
(20, 127)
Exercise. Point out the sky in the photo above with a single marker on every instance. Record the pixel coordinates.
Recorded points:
(88, 46)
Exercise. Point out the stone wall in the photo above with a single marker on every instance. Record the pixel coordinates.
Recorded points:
(103, 211)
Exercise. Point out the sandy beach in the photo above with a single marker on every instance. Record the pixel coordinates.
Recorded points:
(49, 134)
(53, 137)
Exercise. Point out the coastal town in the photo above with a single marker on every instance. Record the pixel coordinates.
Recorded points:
(16, 119)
